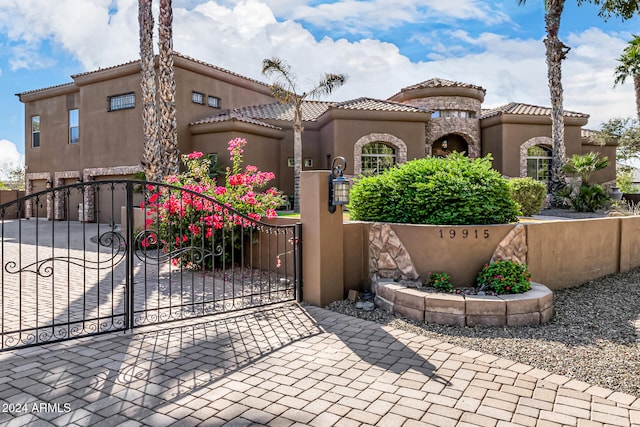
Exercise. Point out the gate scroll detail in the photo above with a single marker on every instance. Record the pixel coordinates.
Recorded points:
(135, 265)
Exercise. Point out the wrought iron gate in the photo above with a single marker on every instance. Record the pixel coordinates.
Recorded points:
(133, 253)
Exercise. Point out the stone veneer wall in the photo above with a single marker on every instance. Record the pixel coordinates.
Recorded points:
(90, 174)
(439, 127)
(58, 180)
(30, 177)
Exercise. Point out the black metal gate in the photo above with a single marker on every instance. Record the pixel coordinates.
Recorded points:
(134, 253)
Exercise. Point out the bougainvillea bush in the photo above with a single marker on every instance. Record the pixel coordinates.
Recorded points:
(203, 224)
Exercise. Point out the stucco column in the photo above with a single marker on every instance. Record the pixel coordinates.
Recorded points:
(322, 241)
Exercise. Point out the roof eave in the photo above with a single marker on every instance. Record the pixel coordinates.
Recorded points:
(505, 118)
(35, 95)
(235, 125)
(348, 114)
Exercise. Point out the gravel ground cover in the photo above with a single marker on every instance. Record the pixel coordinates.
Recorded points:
(592, 337)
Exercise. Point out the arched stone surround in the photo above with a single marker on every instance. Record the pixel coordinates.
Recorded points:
(394, 141)
(538, 140)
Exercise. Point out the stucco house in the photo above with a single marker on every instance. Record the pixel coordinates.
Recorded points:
(91, 128)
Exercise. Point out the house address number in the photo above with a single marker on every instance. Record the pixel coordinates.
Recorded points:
(464, 233)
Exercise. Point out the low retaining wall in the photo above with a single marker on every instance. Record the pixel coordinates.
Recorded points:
(530, 308)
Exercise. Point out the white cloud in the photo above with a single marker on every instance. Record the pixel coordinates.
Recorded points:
(9, 157)
(237, 35)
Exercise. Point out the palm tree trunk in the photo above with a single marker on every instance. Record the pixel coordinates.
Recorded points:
(636, 87)
(556, 51)
(151, 156)
(167, 123)
(297, 156)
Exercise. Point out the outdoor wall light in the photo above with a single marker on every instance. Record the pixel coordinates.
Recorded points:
(49, 183)
(445, 144)
(338, 184)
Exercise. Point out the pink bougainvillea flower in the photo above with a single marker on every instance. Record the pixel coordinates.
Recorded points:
(194, 155)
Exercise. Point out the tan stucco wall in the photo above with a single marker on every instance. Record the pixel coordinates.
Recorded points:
(345, 133)
(503, 138)
(435, 248)
(115, 138)
(567, 253)
(629, 243)
(9, 196)
(322, 242)
(356, 255)
(560, 254)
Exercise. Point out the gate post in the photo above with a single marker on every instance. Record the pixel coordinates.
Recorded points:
(323, 242)
(129, 239)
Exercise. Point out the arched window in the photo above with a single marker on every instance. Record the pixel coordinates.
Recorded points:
(538, 162)
(377, 157)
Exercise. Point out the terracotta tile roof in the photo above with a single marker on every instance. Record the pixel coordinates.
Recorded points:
(587, 133)
(45, 88)
(438, 82)
(233, 115)
(526, 109)
(188, 58)
(311, 110)
(73, 76)
(371, 104)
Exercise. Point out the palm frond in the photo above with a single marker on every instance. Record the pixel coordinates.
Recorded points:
(327, 85)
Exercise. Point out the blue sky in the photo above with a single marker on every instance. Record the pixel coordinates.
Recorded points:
(382, 45)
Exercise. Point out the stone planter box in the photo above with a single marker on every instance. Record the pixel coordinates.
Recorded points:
(530, 308)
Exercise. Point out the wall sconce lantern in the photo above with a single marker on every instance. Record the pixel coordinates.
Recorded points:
(445, 144)
(49, 183)
(338, 185)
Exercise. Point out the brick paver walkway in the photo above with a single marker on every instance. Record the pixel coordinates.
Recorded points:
(285, 365)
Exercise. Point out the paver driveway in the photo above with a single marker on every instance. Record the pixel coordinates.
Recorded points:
(285, 365)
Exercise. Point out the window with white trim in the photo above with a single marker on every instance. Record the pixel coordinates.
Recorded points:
(213, 101)
(377, 157)
(35, 131)
(74, 126)
(539, 163)
(197, 98)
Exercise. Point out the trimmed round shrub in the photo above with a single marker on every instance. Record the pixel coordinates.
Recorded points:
(455, 190)
(528, 193)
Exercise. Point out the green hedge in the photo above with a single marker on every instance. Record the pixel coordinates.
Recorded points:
(528, 193)
(454, 190)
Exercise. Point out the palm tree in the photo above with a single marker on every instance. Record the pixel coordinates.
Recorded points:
(152, 150)
(168, 129)
(556, 51)
(630, 67)
(585, 165)
(285, 91)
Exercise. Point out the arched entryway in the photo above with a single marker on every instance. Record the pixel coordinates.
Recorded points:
(448, 144)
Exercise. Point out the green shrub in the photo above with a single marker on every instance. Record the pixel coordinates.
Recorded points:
(588, 198)
(528, 193)
(504, 277)
(440, 281)
(454, 190)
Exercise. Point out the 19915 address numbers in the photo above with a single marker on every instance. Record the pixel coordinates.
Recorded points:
(452, 233)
